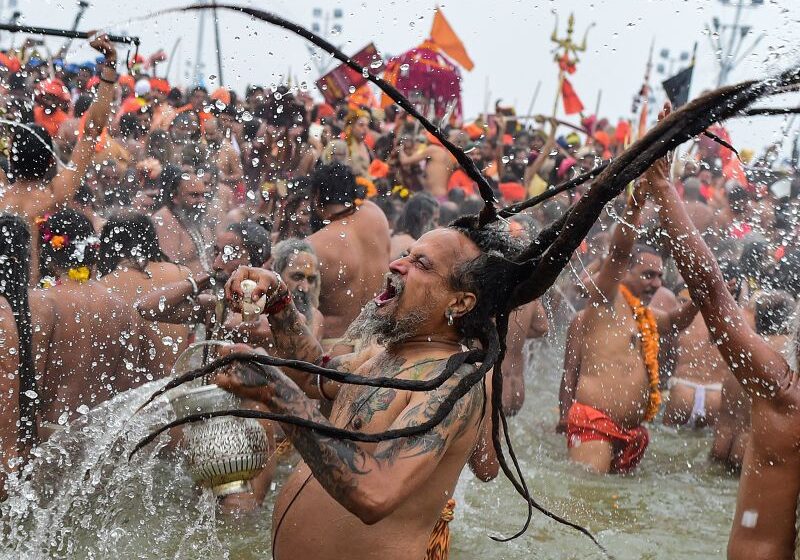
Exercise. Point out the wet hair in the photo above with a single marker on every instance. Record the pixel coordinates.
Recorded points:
(299, 193)
(159, 146)
(82, 105)
(15, 243)
(751, 263)
(31, 153)
(128, 236)
(78, 246)
(129, 126)
(283, 253)
(640, 249)
(188, 118)
(255, 239)
(416, 215)
(527, 277)
(288, 248)
(168, 182)
(773, 313)
(334, 183)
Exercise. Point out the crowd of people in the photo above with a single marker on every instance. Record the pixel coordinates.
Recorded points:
(132, 210)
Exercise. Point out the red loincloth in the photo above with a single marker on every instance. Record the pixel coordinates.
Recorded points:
(585, 423)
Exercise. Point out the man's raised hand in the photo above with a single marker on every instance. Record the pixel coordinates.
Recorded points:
(268, 284)
(104, 46)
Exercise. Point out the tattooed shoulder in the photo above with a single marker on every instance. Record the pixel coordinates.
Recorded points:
(465, 414)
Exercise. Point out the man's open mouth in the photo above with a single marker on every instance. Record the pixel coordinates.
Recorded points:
(387, 294)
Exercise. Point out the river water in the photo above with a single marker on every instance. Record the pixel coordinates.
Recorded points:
(676, 505)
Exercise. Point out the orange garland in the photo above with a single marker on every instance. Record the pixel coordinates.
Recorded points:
(648, 330)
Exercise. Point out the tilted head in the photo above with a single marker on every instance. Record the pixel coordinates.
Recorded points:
(241, 244)
(645, 272)
(68, 241)
(420, 215)
(128, 235)
(450, 285)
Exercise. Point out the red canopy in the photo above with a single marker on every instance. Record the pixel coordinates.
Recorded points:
(424, 75)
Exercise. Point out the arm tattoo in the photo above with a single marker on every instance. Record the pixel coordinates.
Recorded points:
(292, 337)
(450, 429)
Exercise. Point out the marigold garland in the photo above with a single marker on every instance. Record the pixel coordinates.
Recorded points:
(80, 274)
(648, 330)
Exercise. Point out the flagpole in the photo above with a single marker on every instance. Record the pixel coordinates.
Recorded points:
(597, 105)
(535, 96)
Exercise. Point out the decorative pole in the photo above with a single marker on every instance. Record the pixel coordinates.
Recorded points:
(566, 54)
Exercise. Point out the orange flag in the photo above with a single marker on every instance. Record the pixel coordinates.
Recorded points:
(447, 40)
(572, 103)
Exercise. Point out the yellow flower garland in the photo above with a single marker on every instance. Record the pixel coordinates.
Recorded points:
(80, 274)
(648, 329)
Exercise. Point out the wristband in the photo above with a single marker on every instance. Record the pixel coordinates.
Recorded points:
(195, 289)
(280, 305)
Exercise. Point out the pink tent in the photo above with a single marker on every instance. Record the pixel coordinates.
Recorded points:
(426, 77)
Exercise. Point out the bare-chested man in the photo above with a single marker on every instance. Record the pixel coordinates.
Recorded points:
(32, 160)
(298, 265)
(182, 224)
(376, 500)
(764, 522)
(439, 163)
(352, 247)
(226, 158)
(131, 264)
(695, 396)
(85, 338)
(607, 391)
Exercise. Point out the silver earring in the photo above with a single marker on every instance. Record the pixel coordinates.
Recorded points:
(449, 315)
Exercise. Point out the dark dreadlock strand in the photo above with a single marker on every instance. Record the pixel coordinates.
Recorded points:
(15, 242)
(453, 363)
(462, 388)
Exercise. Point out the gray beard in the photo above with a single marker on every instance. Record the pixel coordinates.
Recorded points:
(302, 302)
(386, 330)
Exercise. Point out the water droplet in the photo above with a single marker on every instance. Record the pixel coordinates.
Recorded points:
(167, 341)
(62, 420)
(83, 409)
(31, 394)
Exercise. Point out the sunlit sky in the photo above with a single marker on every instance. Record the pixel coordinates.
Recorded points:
(509, 42)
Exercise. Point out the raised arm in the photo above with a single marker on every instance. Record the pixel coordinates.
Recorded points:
(606, 281)
(759, 369)
(678, 319)
(417, 156)
(178, 303)
(370, 485)
(66, 183)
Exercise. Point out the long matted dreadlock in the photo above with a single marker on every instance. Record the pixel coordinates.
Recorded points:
(503, 277)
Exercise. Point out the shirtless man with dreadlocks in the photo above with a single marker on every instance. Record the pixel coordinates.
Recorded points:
(381, 500)
(610, 385)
